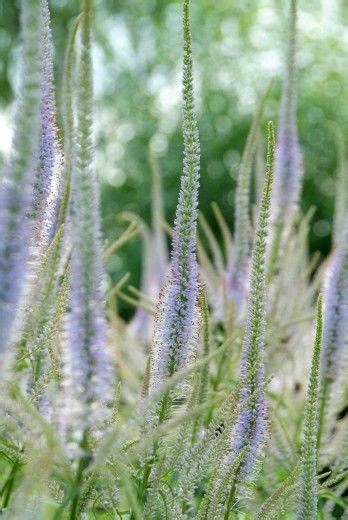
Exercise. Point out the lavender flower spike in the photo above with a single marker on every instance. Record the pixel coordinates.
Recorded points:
(288, 167)
(335, 327)
(252, 423)
(176, 320)
(46, 187)
(88, 361)
(16, 187)
(341, 191)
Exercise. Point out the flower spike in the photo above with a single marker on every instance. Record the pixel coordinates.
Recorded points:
(88, 361)
(176, 320)
(252, 423)
(335, 330)
(46, 190)
(16, 188)
(288, 164)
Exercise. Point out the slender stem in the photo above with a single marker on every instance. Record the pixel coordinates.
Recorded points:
(204, 374)
(163, 412)
(83, 464)
(216, 383)
(9, 485)
(230, 501)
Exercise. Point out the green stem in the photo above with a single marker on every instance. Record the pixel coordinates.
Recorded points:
(216, 383)
(9, 486)
(230, 501)
(83, 464)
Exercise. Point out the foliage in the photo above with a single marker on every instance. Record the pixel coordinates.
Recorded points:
(102, 419)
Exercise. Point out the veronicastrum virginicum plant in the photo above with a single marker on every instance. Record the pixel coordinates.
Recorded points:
(17, 184)
(194, 437)
(252, 424)
(175, 330)
(288, 157)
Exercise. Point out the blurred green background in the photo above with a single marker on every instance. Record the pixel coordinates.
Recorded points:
(239, 45)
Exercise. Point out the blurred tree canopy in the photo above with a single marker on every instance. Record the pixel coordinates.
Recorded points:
(239, 45)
